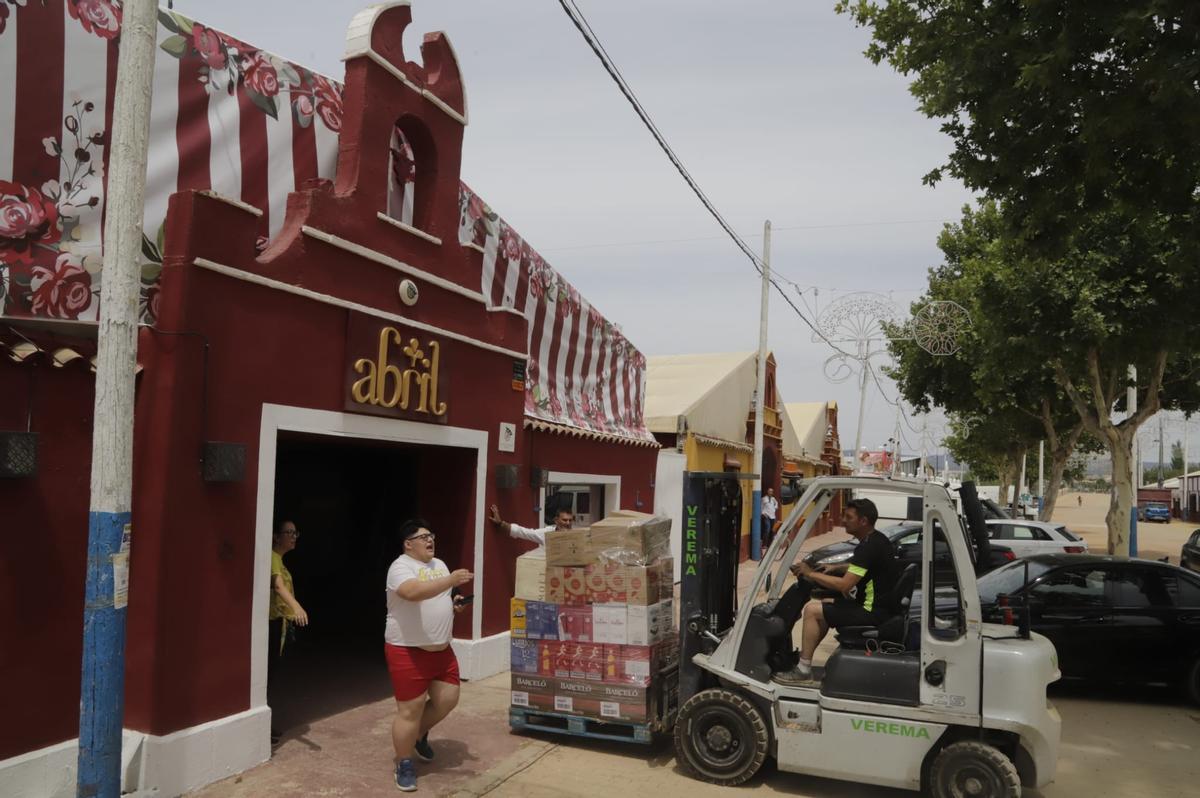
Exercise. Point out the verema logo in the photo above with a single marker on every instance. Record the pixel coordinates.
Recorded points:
(886, 727)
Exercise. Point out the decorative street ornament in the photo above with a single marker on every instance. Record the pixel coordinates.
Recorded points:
(938, 327)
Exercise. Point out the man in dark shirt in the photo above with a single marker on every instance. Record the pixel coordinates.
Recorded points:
(868, 578)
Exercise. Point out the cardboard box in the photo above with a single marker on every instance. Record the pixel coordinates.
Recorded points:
(666, 579)
(647, 625)
(541, 620)
(642, 537)
(609, 622)
(606, 583)
(526, 656)
(517, 618)
(532, 692)
(605, 701)
(566, 585)
(568, 547)
(531, 575)
(642, 584)
(575, 624)
(561, 655)
(592, 660)
(640, 664)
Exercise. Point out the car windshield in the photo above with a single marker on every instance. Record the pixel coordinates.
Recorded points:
(1008, 579)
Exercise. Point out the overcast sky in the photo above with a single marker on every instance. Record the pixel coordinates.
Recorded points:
(770, 104)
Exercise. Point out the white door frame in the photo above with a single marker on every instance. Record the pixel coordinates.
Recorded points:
(277, 418)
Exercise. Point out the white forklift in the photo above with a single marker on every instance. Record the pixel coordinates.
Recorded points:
(932, 699)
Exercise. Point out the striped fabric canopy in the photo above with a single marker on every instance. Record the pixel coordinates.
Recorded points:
(247, 124)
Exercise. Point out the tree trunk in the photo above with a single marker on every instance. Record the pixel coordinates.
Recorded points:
(1123, 496)
(1058, 464)
(1004, 481)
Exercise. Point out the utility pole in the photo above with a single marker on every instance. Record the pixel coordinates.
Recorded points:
(1160, 449)
(863, 348)
(924, 447)
(1041, 477)
(1131, 408)
(101, 705)
(1186, 509)
(1021, 487)
(896, 443)
(759, 398)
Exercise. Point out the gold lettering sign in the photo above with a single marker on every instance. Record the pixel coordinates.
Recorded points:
(411, 388)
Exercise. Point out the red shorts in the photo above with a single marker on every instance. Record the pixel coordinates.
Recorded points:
(412, 669)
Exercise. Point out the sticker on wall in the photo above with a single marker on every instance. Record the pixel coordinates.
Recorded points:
(120, 565)
(508, 437)
(518, 375)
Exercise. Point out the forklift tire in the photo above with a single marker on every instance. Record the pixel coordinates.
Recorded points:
(971, 769)
(720, 737)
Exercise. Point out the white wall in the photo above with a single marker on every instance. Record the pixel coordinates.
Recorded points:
(668, 497)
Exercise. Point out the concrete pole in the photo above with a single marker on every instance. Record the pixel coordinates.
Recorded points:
(1186, 493)
(863, 348)
(756, 532)
(1041, 475)
(101, 705)
(1160, 449)
(1131, 408)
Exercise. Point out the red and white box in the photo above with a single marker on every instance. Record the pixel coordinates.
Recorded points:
(575, 624)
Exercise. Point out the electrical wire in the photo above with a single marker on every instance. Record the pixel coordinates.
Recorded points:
(589, 36)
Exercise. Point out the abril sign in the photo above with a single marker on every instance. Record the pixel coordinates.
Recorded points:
(393, 372)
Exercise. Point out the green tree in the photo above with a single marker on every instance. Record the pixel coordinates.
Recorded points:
(988, 371)
(1082, 122)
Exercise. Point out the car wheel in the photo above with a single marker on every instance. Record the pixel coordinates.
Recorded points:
(720, 737)
(1193, 681)
(972, 769)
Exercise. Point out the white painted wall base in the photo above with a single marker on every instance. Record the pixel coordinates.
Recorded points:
(151, 766)
(479, 659)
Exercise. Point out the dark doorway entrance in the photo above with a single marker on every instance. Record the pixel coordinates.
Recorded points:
(348, 499)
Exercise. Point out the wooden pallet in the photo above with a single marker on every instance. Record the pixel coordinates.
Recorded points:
(522, 719)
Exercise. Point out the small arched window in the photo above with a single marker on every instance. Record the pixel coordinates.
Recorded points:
(412, 175)
(402, 177)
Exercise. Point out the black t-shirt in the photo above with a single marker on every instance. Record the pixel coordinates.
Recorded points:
(875, 561)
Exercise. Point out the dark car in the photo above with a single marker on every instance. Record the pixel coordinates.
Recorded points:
(1189, 556)
(906, 538)
(1110, 618)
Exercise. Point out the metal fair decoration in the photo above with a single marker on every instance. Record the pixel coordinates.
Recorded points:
(860, 325)
(938, 326)
(856, 325)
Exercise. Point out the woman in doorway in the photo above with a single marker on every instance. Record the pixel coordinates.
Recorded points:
(285, 610)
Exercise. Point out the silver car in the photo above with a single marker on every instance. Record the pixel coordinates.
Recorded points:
(1027, 538)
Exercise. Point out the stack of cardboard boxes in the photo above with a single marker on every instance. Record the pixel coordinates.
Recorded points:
(593, 621)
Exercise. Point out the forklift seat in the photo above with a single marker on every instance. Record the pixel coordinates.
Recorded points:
(894, 628)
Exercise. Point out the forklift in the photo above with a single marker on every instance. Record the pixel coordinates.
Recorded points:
(932, 699)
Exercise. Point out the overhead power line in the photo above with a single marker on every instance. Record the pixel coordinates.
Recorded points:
(585, 29)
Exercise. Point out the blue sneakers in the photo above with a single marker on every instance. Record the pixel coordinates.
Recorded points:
(406, 776)
(424, 749)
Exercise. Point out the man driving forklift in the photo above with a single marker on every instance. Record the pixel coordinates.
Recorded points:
(861, 585)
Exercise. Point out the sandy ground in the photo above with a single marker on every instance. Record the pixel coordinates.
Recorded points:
(1116, 742)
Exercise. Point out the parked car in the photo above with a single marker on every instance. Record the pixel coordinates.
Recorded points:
(906, 538)
(1027, 538)
(1110, 618)
(1155, 511)
(1189, 555)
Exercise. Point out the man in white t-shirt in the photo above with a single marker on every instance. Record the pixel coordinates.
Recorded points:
(562, 520)
(770, 507)
(424, 671)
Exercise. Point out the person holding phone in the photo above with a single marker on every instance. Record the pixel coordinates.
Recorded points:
(420, 613)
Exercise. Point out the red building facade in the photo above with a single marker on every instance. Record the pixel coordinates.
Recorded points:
(342, 368)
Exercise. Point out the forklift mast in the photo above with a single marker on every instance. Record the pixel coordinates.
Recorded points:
(712, 533)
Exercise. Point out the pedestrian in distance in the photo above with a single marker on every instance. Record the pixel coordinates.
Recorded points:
(770, 507)
(285, 612)
(563, 519)
(1079, 498)
(417, 633)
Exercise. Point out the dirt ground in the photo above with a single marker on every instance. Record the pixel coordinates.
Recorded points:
(1118, 742)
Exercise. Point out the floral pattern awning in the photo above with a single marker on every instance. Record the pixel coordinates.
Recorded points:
(247, 124)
